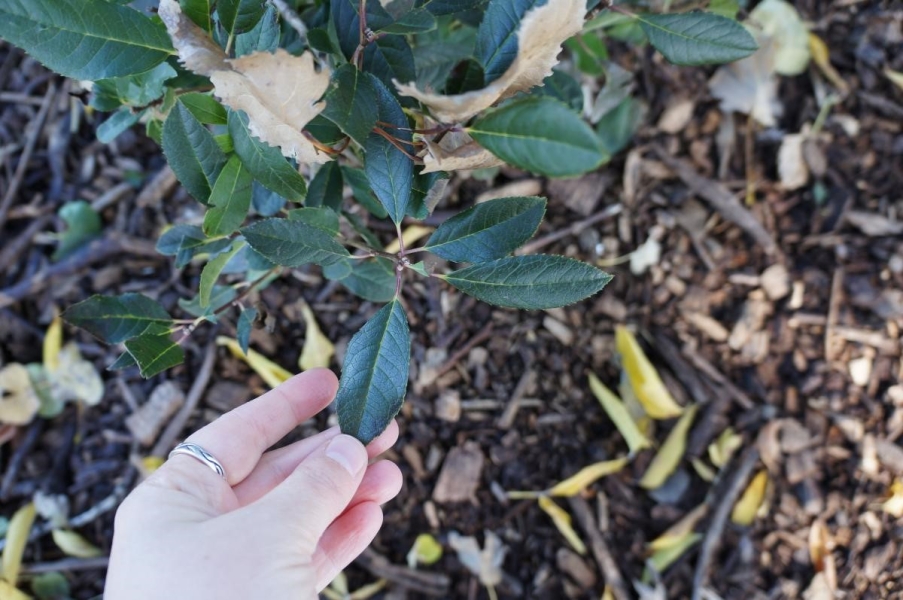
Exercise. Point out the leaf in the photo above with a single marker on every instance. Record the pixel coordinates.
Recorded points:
(530, 282)
(19, 401)
(237, 16)
(895, 77)
(697, 38)
(322, 218)
(585, 477)
(588, 51)
(50, 586)
(619, 415)
(53, 343)
(721, 450)
(192, 152)
(749, 86)
(540, 35)
(434, 61)
(725, 8)
(617, 128)
(73, 544)
(114, 319)
(449, 7)
(497, 43)
(230, 199)
(263, 37)
(425, 551)
(372, 280)
(134, 90)
(269, 371)
(540, 135)
(670, 454)
(744, 512)
(564, 88)
(82, 225)
(212, 270)
(205, 108)
(413, 21)
(388, 59)
(489, 230)
(351, 102)
(374, 374)
(457, 151)
(187, 241)
(318, 350)
(245, 323)
(221, 295)
(360, 188)
(562, 521)
(780, 21)
(154, 353)
(326, 188)
(674, 535)
(665, 557)
(199, 11)
(894, 503)
(16, 540)
(821, 56)
(292, 243)
(115, 41)
(411, 234)
(116, 125)
(75, 379)
(263, 85)
(487, 563)
(389, 171)
(9, 592)
(644, 379)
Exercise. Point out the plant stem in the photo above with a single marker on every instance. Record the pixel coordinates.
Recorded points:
(396, 143)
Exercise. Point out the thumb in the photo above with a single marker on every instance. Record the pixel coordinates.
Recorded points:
(319, 490)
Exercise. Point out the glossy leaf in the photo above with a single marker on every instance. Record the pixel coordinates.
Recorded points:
(389, 171)
(265, 162)
(497, 41)
(85, 39)
(230, 199)
(371, 280)
(374, 374)
(263, 37)
(323, 218)
(205, 108)
(540, 135)
(698, 38)
(191, 152)
(360, 189)
(293, 243)
(154, 353)
(243, 328)
(389, 58)
(115, 319)
(530, 282)
(326, 188)
(237, 16)
(351, 102)
(489, 230)
(212, 271)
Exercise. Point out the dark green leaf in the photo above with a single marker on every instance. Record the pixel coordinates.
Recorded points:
(339, 270)
(221, 296)
(414, 21)
(116, 124)
(448, 7)
(293, 243)
(324, 218)
(530, 282)
(617, 128)
(124, 361)
(326, 187)
(265, 162)
(360, 189)
(187, 241)
(115, 319)
(360, 227)
(698, 38)
(85, 39)
(390, 57)
(433, 62)
(266, 202)
(50, 586)
(345, 19)
(154, 353)
(564, 88)
(372, 280)
(134, 90)
(199, 11)
(82, 225)
(497, 36)
(467, 76)
(540, 135)
(211, 273)
(389, 170)
(375, 374)
(351, 102)
(238, 16)
(324, 131)
(428, 190)
(590, 52)
(205, 108)
(264, 37)
(245, 324)
(230, 199)
(191, 151)
(489, 230)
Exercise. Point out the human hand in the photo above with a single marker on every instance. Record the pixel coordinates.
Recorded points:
(282, 524)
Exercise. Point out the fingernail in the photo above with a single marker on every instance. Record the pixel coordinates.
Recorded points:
(348, 452)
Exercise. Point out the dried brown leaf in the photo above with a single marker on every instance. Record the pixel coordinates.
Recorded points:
(18, 400)
(196, 50)
(456, 152)
(749, 86)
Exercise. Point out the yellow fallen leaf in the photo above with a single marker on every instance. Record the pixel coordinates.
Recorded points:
(18, 400)
(586, 476)
(317, 350)
(541, 33)
(705, 472)
(269, 371)
(53, 343)
(425, 551)
(721, 450)
(9, 592)
(664, 558)
(644, 379)
(369, 590)
(894, 505)
(747, 506)
(617, 412)
(279, 92)
(410, 235)
(822, 59)
(16, 540)
(562, 521)
(671, 452)
(72, 544)
(675, 534)
(457, 151)
(895, 77)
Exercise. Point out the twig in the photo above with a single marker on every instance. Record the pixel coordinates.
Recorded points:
(715, 375)
(292, 18)
(158, 186)
(398, 144)
(715, 528)
(430, 584)
(601, 552)
(100, 250)
(833, 312)
(526, 381)
(175, 427)
(36, 126)
(68, 564)
(480, 337)
(15, 463)
(14, 249)
(573, 229)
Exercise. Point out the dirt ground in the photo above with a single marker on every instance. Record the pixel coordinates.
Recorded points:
(782, 320)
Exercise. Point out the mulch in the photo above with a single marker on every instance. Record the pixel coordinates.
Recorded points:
(781, 320)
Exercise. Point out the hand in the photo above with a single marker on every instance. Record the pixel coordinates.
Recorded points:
(282, 524)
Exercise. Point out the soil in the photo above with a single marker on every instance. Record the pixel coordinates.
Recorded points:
(781, 320)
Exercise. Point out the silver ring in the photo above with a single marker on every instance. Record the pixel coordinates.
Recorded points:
(202, 455)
